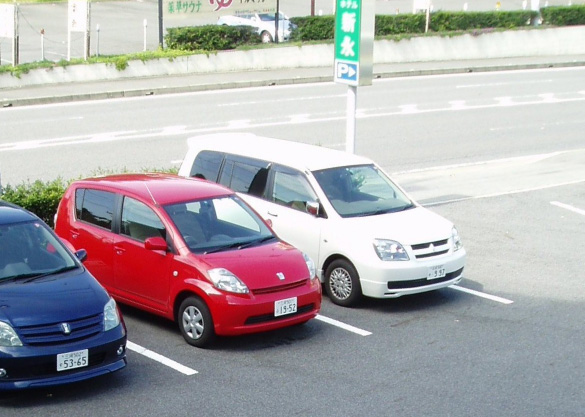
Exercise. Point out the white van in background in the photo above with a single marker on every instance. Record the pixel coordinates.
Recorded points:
(365, 234)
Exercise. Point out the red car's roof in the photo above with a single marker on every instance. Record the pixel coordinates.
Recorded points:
(162, 188)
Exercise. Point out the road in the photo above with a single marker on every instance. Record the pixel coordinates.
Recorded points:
(128, 26)
(500, 154)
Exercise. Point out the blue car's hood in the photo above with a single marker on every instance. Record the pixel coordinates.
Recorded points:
(63, 297)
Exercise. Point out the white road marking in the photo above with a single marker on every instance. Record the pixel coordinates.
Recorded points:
(524, 190)
(526, 159)
(481, 294)
(159, 358)
(343, 325)
(248, 124)
(568, 207)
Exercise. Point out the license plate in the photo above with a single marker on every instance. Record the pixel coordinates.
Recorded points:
(283, 307)
(435, 272)
(72, 360)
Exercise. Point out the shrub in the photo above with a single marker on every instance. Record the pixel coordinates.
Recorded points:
(563, 15)
(313, 28)
(210, 37)
(399, 24)
(42, 198)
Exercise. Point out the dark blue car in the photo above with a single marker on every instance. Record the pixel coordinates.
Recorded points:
(57, 323)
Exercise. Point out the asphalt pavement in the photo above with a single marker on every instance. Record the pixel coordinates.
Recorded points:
(68, 92)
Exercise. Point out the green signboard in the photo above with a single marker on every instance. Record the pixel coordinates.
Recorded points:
(354, 37)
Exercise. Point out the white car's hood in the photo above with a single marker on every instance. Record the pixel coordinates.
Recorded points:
(409, 227)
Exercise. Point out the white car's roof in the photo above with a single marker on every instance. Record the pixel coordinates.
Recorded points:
(296, 155)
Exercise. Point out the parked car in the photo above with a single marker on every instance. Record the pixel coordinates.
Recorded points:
(57, 323)
(366, 235)
(191, 251)
(264, 24)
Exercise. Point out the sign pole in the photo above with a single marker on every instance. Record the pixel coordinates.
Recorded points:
(87, 32)
(15, 52)
(351, 122)
(160, 24)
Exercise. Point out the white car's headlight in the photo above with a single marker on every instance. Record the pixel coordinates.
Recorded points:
(8, 337)
(456, 240)
(225, 280)
(111, 315)
(310, 266)
(390, 250)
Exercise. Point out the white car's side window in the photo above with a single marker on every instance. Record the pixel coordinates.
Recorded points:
(292, 190)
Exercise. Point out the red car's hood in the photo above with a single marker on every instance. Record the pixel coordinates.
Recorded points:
(265, 266)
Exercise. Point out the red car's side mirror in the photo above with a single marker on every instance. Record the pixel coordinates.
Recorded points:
(155, 243)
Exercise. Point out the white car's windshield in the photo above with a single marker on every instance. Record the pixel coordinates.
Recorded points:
(266, 17)
(361, 191)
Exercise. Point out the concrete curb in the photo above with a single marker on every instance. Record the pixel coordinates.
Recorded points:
(121, 93)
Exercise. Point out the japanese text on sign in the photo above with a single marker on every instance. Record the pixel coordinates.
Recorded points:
(77, 16)
(219, 7)
(348, 25)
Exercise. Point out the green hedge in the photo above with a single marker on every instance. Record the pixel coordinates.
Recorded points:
(42, 198)
(210, 37)
(323, 27)
(454, 21)
(320, 28)
(399, 24)
(313, 28)
(563, 15)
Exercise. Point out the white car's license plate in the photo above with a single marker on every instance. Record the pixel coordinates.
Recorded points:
(283, 307)
(72, 360)
(437, 271)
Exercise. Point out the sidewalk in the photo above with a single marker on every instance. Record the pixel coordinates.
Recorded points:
(56, 93)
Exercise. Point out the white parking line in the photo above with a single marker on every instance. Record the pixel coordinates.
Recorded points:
(481, 294)
(343, 325)
(160, 358)
(568, 207)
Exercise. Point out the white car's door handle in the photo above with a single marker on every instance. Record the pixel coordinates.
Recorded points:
(272, 214)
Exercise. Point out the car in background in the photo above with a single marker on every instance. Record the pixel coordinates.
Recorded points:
(191, 251)
(366, 235)
(264, 24)
(57, 323)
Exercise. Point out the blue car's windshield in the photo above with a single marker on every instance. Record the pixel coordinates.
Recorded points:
(30, 249)
(363, 190)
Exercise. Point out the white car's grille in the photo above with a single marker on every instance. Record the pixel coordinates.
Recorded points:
(430, 249)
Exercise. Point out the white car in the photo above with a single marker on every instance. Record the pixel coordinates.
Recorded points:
(365, 234)
(263, 22)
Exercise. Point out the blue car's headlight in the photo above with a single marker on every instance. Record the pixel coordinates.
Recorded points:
(8, 337)
(111, 315)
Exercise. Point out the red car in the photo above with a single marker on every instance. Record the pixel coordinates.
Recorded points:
(189, 250)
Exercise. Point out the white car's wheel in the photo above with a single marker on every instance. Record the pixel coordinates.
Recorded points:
(342, 283)
(266, 37)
